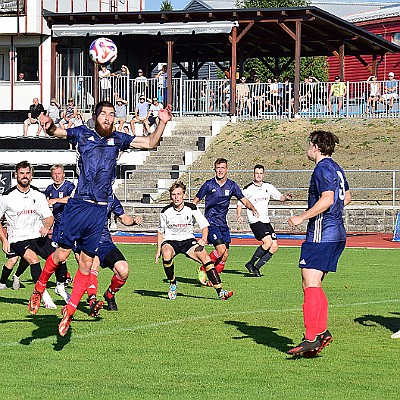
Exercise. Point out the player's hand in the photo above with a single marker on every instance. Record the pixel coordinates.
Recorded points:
(256, 214)
(6, 246)
(295, 220)
(138, 220)
(45, 121)
(158, 254)
(43, 231)
(165, 114)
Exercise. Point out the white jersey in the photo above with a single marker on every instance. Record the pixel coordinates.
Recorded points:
(259, 197)
(24, 213)
(178, 225)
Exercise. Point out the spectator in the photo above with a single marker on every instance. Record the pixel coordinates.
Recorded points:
(162, 84)
(105, 84)
(141, 116)
(53, 110)
(227, 95)
(36, 110)
(337, 95)
(79, 120)
(243, 95)
(69, 114)
(122, 81)
(120, 113)
(155, 107)
(21, 77)
(374, 93)
(140, 84)
(276, 94)
(207, 95)
(390, 92)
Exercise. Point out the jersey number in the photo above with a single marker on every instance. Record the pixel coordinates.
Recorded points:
(341, 185)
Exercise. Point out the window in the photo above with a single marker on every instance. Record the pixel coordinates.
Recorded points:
(4, 63)
(28, 62)
(396, 38)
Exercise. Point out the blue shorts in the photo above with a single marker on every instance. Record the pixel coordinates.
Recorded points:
(56, 232)
(103, 251)
(219, 234)
(322, 256)
(82, 222)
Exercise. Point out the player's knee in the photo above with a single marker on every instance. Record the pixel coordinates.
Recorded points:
(208, 265)
(122, 270)
(167, 263)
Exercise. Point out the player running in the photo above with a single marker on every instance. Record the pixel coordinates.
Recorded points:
(175, 236)
(325, 239)
(259, 193)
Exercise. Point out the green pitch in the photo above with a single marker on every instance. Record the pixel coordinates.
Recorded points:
(198, 347)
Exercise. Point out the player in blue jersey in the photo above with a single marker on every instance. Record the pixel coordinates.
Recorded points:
(109, 256)
(57, 195)
(85, 214)
(325, 240)
(218, 192)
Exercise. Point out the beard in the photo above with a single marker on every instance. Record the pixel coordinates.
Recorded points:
(103, 132)
(23, 184)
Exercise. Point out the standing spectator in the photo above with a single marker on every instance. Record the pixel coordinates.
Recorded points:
(141, 116)
(53, 110)
(218, 192)
(122, 81)
(36, 110)
(175, 236)
(337, 95)
(121, 113)
(105, 83)
(325, 239)
(162, 77)
(259, 193)
(69, 114)
(227, 95)
(155, 107)
(140, 85)
(243, 96)
(390, 92)
(85, 214)
(374, 93)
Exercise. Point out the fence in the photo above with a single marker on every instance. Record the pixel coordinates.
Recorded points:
(269, 100)
(373, 187)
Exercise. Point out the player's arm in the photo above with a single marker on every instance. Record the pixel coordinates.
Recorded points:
(4, 241)
(287, 196)
(196, 201)
(160, 239)
(47, 224)
(324, 202)
(51, 129)
(239, 217)
(151, 141)
(128, 220)
(62, 200)
(347, 197)
(250, 206)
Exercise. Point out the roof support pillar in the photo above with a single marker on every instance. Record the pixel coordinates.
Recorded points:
(170, 51)
(233, 39)
(341, 62)
(297, 54)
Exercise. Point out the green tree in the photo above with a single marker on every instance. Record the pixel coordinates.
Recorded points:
(166, 5)
(271, 3)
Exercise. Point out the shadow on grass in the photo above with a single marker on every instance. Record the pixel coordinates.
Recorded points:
(164, 295)
(390, 323)
(264, 335)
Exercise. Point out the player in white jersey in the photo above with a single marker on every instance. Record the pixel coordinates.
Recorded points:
(29, 220)
(259, 193)
(175, 236)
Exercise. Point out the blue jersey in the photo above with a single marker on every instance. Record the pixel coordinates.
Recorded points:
(114, 206)
(328, 226)
(53, 192)
(217, 199)
(96, 161)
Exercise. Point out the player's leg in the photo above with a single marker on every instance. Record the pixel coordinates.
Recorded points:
(168, 254)
(6, 271)
(22, 267)
(270, 246)
(92, 286)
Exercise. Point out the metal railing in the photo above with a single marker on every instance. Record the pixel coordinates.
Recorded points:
(374, 187)
(254, 100)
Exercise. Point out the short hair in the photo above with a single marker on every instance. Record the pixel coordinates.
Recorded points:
(258, 166)
(56, 166)
(326, 141)
(176, 185)
(23, 164)
(100, 105)
(220, 161)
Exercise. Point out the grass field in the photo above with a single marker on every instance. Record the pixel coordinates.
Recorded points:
(198, 347)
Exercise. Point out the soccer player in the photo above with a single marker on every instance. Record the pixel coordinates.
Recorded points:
(85, 214)
(175, 236)
(325, 239)
(57, 195)
(109, 256)
(218, 192)
(29, 220)
(259, 193)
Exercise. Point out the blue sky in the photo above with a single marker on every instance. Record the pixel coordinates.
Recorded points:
(180, 4)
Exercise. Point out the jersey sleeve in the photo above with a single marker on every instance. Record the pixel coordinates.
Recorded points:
(203, 191)
(200, 218)
(237, 192)
(47, 191)
(72, 136)
(117, 208)
(125, 140)
(43, 207)
(70, 189)
(162, 223)
(275, 193)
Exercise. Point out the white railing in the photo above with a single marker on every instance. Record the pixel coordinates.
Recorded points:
(254, 100)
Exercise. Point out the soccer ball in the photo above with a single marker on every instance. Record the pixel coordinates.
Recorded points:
(103, 51)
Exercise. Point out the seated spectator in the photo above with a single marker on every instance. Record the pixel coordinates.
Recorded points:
(390, 92)
(126, 130)
(79, 120)
(121, 113)
(141, 115)
(374, 93)
(36, 110)
(155, 107)
(70, 112)
(53, 110)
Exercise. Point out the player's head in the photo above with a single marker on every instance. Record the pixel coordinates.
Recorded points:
(104, 114)
(177, 193)
(324, 141)
(258, 173)
(57, 173)
(23, 174)
(220, 168)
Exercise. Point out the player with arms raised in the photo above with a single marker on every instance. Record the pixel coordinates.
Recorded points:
(325, 240)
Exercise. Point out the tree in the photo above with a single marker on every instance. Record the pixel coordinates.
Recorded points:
(166, 5)
(271, 3)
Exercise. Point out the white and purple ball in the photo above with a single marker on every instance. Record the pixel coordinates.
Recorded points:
(103, 51)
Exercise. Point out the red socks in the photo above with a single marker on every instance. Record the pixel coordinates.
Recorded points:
(216, 259)
(79, 289)
(214, 256)
(220, 266)
(315, 312)
(48, 270)
(93, 283)
(115, 285)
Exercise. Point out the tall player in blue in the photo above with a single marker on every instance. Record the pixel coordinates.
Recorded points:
(218, 192)
(325, 240)
(85, 214)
